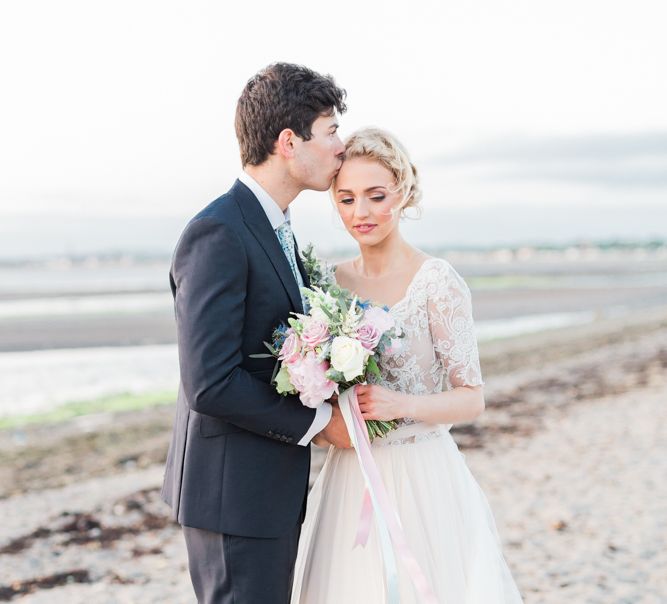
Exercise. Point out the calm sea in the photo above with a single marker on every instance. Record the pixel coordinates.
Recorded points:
(87, 297)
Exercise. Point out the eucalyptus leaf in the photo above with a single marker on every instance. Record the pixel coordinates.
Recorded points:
(272, 350)
(372, 366)
(341, 305)
(276, 368)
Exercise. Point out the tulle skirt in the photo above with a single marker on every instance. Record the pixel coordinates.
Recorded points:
(445, 515)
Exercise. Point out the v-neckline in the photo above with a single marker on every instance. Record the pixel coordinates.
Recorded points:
(407, 289)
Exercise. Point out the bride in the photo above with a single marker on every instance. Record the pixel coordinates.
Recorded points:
(432, 382)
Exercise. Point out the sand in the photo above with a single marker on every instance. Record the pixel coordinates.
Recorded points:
(571, 453)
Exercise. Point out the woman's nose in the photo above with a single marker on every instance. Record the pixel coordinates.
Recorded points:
(361, 208)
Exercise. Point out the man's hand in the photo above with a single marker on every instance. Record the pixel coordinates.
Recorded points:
(336, 431)
(320, 440)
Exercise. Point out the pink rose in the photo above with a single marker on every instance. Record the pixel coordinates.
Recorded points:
(314, 332)
(308, 376)
(378, 318)
(291, 348)
(369, 336)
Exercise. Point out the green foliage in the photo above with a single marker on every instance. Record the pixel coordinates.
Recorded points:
(373, 368)
(320, 274)
(335, 376)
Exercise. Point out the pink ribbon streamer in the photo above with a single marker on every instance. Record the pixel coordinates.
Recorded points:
(385, 512)
(364, 520)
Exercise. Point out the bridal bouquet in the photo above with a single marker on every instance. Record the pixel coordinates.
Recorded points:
(332, 347)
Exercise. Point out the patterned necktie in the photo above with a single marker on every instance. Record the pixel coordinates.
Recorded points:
(286, 238)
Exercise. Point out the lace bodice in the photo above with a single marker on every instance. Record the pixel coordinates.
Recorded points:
(439, 349)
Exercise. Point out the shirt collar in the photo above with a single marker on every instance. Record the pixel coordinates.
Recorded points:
(272, 210)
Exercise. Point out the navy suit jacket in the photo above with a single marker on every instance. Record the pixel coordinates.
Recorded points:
(234, 465)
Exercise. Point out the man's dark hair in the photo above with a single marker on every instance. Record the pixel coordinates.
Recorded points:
(282, 95)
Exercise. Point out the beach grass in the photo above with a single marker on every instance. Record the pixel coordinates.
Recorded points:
(108, 404)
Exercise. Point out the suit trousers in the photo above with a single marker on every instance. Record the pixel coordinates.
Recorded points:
(229, 569)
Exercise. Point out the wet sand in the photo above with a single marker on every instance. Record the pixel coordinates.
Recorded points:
(139, 329)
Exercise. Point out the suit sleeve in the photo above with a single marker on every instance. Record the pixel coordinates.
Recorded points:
(209, 272)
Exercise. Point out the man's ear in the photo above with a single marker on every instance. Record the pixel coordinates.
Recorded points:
(285, 143)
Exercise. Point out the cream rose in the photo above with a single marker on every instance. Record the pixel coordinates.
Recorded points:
(348, 356)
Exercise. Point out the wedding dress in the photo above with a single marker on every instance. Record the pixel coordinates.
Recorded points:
(445, 515)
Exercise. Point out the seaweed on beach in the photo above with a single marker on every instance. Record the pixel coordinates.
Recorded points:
(89, 528)
(22, 588)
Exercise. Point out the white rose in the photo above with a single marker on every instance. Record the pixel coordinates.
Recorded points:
(348, 356)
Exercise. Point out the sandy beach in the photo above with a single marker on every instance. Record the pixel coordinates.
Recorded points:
(570, 453)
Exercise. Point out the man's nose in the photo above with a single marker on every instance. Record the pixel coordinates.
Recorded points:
(340, 150)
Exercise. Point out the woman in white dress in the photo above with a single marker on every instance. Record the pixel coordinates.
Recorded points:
(432, 382)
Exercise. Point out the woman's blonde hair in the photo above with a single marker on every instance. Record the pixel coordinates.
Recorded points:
(383, 147)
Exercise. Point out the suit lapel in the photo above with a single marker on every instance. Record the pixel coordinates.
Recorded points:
(259, 225)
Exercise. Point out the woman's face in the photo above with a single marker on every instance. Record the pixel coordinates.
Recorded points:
(365, 201)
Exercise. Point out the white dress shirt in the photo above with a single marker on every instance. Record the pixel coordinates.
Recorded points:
(276, 217)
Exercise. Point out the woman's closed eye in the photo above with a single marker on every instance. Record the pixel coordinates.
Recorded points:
(349, 200)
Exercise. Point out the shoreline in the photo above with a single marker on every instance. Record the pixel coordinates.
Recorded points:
(553, 328)
(526, 377)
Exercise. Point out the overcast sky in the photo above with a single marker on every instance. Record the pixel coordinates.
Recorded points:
(126, 107)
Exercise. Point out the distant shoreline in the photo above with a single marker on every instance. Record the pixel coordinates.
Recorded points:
(570, 249)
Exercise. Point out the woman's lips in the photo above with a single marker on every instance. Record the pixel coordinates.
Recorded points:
(364, 228)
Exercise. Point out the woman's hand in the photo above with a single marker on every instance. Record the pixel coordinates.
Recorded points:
(377, 402)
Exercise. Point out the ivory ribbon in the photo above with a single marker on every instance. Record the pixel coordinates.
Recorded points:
(376, 499)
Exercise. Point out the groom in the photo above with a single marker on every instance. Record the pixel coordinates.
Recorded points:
(238, 465)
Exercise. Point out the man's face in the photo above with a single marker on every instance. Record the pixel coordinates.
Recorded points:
(317, 161)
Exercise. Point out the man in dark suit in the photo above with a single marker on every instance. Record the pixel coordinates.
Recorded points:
(238, 465)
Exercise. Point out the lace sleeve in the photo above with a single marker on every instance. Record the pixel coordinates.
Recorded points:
(452, 330)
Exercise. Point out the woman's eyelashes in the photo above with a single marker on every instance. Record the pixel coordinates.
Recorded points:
(349, 200)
